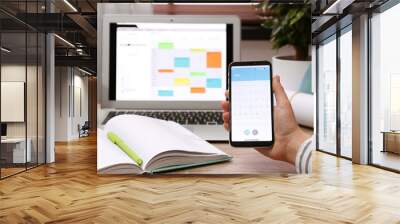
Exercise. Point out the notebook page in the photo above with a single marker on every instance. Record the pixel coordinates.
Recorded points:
(149, 137)
(194, 143)
(146, 136)
(109, 154)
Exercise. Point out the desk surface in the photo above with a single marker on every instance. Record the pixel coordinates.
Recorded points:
(391, 132)
(244, 161)
(13, 140)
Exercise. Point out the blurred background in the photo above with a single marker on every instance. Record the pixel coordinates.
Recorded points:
(54, 77)
(355, 46)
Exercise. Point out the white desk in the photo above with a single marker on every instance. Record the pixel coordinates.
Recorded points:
(17, 145)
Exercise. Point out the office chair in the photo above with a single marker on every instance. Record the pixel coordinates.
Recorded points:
(84, 130)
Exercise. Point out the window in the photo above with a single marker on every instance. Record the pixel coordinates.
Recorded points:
(15, 148)
(346, 92)
(385, 89)
(334, 62)
(327, 96)
(22, 77)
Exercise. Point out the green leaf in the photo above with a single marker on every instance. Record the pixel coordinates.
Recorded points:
(291, 25)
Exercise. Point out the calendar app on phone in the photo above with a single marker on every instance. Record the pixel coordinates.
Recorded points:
(251, 114)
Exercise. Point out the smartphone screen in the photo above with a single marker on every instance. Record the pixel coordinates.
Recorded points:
(251, 104)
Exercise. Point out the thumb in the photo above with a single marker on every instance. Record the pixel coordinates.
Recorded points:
(280, 94)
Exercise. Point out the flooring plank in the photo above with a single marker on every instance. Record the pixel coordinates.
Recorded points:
(70, 191)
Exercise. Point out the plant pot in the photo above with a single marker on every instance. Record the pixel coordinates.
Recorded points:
(291, 71)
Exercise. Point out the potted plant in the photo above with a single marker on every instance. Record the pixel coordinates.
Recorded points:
(290, 24)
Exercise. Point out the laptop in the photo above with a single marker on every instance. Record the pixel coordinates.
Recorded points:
(169, 67)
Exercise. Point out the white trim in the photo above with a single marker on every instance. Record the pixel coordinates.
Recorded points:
(84, 71)
(5, 50)
(337, 7)
(64, 40)
(70, 5)
(50, 99)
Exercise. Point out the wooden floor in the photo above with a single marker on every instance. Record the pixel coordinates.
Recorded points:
(5, 172)
(387, 159)
(70, 191)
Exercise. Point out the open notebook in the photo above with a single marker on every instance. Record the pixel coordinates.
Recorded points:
(162, 145)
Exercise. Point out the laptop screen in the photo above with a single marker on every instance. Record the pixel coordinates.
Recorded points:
(3, 129)
(169, 61)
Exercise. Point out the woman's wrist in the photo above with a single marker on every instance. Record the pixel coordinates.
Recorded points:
(294, 142)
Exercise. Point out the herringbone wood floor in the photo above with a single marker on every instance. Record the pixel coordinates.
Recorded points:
(69, 191)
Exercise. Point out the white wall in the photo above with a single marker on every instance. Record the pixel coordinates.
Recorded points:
(262, 50)
(34, 125)
(12, 73)
(62, 81)
(81, 104)
(13, 100)
(71, 87)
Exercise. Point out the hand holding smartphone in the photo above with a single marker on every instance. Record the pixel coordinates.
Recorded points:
(251, 104)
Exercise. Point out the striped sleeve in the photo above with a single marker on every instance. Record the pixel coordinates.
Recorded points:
(304, 157)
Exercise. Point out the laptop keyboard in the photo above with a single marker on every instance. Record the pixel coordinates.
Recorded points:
(181, 117)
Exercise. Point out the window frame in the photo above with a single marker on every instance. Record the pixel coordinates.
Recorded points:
(342, 26)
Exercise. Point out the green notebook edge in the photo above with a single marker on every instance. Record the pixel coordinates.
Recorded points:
(184, 166)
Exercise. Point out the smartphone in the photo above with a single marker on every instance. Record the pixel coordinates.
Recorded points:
(251, 104)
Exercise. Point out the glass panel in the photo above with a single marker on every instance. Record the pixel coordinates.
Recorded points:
(31, 98)
(41, 88)
(41, 98)
(22, 88)
(346, 94)
(385, 88)
(32, 88)
(13, 87)
(327, 96)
